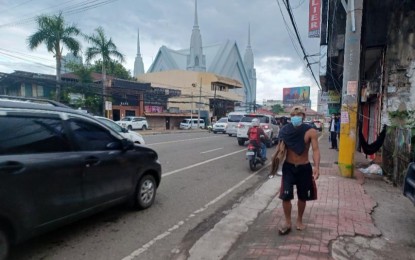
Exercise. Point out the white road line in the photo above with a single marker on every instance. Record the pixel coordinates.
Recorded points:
(201, 163)
(178, 141)
(212, 150)
(144, 248)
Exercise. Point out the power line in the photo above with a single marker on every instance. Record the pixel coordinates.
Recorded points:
(73, 9)
(305, 57)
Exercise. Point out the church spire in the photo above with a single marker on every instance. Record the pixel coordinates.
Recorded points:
(138, 63)
(196, 61)
(196, 21)
(249, 68)
(138, 43)
(249, 55)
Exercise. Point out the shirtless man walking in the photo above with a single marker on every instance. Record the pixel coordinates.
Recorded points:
(297, 169)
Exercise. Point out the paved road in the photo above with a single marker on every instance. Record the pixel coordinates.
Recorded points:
(203, 176)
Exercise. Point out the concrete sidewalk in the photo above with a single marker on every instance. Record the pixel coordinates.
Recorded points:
(342, 209)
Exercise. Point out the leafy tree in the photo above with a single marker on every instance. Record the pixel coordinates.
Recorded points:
(91, 100)
(55, 34)
(277, 109)
(83, 72)
(102, 48)
(114, 69)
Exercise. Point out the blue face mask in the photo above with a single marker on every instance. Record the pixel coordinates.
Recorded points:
(296, 120)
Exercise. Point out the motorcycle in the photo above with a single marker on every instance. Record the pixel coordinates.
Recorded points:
(253, 155)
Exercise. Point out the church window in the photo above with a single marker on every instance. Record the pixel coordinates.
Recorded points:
(196, 61)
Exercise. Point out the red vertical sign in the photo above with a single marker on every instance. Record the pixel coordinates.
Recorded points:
(314, 19)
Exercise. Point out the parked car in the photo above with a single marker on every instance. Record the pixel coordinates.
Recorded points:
(267, 122)
(233, 120)
(131, 135)
(58, 165)
(220, 126)
(133, 122)
(191, 123)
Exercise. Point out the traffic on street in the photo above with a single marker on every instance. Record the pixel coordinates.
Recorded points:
(204, 175)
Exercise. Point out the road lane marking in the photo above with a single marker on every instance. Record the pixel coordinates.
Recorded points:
(212, 150)
(178, 141)
(180, 223)
(201, 163)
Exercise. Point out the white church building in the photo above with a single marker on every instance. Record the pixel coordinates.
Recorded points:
(206, 65)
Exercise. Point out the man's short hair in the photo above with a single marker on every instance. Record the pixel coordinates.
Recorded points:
(297, 110)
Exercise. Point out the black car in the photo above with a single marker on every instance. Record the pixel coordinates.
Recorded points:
(58, 165)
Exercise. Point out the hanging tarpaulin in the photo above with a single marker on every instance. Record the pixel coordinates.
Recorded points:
(314, 19)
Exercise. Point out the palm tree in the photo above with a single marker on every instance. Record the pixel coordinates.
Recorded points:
(103, 49)
(55, 34)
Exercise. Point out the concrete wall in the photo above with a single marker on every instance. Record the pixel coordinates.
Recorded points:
(399, 92)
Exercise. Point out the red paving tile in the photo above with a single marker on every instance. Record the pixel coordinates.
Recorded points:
(342, 208)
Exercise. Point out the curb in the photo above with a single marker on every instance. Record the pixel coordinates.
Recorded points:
(150, 132)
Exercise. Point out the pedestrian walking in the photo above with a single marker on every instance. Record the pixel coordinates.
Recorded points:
(333, 132)
(296, 169)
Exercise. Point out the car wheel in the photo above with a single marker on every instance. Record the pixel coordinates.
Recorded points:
(145, 192)
(215, 132)
(144, 127)
(130, 128)
(230, 134)
(241, 142)
(4, 244)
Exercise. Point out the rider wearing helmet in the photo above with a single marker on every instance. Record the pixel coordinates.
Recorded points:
(256, 135)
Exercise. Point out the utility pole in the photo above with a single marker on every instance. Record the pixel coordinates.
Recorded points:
(350, 89)
(191, 110)
(214, 103)
(200, 103)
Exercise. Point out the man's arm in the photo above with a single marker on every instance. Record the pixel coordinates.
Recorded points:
(316, 154)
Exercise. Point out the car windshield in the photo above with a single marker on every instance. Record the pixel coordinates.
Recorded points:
(185, 121)
(234, 118)
(223, 120)
(126, 119)
(248, 119)
(111, 124)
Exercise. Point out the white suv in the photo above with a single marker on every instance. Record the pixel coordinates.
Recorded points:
(267, 122)
(133, 122)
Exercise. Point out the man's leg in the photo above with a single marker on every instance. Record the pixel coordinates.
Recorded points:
(333, 140)
(263, 151)
(286, 204)
(301, 208)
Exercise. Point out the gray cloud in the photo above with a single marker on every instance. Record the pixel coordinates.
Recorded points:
(166, 22)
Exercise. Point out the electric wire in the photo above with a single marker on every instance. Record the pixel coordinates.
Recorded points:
(287, 3)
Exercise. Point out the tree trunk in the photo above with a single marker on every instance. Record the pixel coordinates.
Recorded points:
(104, 92)
(58, 75)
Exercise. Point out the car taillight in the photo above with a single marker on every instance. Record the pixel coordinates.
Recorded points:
(239, 126)
(265, 126)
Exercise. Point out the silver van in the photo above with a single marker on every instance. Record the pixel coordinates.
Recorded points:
(191, 123)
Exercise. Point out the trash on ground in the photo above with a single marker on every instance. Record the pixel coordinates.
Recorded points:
(372, 169)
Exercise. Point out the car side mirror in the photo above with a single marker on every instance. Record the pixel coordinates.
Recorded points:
(124, 130)
(127, 144)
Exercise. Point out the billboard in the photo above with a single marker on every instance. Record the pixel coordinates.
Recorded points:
(296, 95)
(314, 19)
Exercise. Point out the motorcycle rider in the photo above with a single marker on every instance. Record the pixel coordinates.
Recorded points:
(256, 135)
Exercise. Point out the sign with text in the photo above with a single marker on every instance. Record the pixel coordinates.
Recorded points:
(314, 19)
(330, 97)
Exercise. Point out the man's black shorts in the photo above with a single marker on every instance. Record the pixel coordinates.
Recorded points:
(301, 176)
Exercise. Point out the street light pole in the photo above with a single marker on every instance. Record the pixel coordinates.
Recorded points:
(191, 110)
(200, 104)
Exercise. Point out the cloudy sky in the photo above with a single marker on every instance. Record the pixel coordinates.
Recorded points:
(278, 59)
